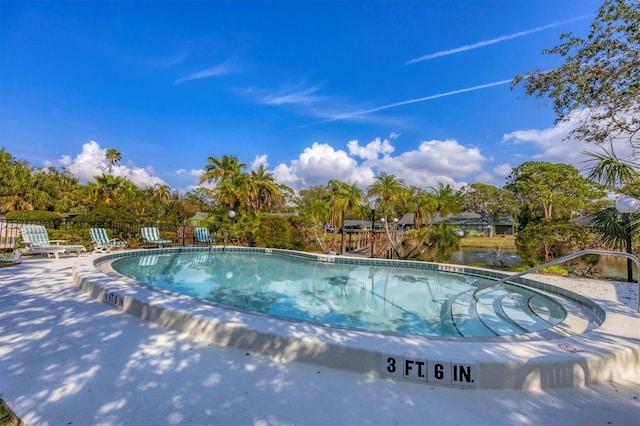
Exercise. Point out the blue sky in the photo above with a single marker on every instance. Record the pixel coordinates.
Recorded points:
(315, 90)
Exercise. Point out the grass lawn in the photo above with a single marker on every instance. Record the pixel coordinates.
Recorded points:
(507, 242)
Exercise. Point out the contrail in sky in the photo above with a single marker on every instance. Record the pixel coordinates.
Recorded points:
(410, 101)
(492, 41)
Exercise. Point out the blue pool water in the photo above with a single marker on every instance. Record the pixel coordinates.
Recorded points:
(373, 298)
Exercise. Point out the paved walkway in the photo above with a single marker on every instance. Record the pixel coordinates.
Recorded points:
(66, 359)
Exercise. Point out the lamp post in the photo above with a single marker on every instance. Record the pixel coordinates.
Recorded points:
(373, 204)
(232, 214)
(626, 206)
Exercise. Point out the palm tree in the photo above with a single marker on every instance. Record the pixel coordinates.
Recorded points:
(444, 202)
(318, 211)
(390, 190)
(445, 241)
(20, 189)
(447, 202)
(264, 191)
(220, 169)
(618, 176)
(113, 157)
(226, 172)
(108, 188)
(344, 197)
(162, 193)
(423, 204)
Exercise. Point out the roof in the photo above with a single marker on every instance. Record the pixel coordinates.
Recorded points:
(472, 218)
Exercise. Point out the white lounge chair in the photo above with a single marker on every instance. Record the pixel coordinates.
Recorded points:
(102, 243)
(36, 240)
(201, 235)
(151, 236)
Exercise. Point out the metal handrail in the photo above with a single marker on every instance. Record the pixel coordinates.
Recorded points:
(562, 259)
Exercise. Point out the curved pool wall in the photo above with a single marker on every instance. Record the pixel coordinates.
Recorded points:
(551, 358)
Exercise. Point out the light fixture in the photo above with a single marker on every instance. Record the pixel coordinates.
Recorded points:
(626, 206)
(373, 205)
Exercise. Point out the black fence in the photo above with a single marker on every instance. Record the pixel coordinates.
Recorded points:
(77, 232)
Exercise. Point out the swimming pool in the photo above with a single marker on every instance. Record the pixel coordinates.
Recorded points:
(552, 356)
(409, 298)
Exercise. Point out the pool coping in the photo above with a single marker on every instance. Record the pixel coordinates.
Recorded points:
(610, 352)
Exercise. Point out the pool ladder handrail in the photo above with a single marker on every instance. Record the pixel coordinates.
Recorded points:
(563, 259)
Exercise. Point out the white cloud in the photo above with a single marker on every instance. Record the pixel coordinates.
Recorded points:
(91, 162)
(503, 170)
(288, 96)
(260, 160)
(320, 163)
(432, 163)
(194, 173)
(555, 145)
(209, 72)
(371, 150)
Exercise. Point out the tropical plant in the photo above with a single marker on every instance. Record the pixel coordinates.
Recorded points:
(112, 156)
(230, 182)
(620, 177)
(444, 201)
(263, 189)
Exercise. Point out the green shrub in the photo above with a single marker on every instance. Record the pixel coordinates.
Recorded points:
(107, 215)
(284, 232)
(537, 240)
(555, 270)
(40, 216)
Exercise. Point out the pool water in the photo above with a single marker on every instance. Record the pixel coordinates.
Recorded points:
(373, 298)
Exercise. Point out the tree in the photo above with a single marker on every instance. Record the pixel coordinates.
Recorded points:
(230, 181)
(423, 204)
(600, 76)
(107, 188)
(445, 241)
(345, 197)
(113, 157)
(549, 191)
(264, 191)
(390, 192)
(442, 201)
(621, 177)
(19, 189)
(313, 203)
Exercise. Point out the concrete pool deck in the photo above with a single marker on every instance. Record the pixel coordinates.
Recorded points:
(66, 358)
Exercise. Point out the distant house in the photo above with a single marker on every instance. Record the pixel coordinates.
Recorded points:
(478, 222)
(197, 219)
(405, 223)
(359, 224)
(466, 222)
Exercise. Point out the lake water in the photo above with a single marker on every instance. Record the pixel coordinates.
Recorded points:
(611, 266)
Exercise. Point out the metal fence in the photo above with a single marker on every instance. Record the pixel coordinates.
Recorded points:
(77, 232)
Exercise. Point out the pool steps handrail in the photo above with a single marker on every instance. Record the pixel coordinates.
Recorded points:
(564, 259)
